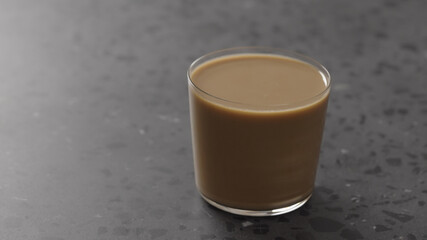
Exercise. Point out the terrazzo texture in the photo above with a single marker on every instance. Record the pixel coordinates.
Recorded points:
(94, 127)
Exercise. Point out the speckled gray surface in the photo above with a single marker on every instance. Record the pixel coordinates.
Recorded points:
(94, 125)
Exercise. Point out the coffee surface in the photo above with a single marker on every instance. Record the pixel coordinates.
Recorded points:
(256, 159)
(259, 79)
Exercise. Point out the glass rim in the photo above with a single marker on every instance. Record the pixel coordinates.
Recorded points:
(261, 50)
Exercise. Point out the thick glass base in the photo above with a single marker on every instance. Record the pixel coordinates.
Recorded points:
(257, 213)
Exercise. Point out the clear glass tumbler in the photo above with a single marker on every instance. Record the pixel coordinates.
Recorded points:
(250, 158)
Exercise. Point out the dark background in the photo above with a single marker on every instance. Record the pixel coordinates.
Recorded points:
(94, 124)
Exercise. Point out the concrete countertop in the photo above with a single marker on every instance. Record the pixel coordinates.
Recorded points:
(94, 124)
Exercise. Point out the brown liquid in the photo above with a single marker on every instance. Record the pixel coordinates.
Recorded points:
(263, 154)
